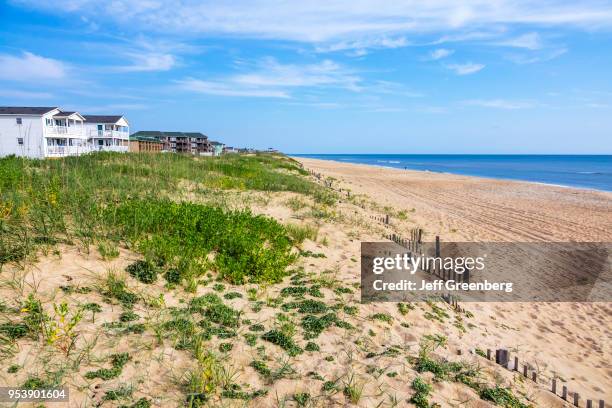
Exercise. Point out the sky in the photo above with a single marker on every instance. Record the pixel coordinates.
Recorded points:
(332, 76)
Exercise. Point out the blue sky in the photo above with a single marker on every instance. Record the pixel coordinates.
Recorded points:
(332, 76)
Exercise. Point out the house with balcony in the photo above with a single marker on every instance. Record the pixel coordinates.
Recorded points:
(194, 143)
(39, 132)
(217, 147)
(108, 132)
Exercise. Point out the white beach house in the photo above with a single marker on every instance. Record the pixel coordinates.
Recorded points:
(108, 133)
(39, 132)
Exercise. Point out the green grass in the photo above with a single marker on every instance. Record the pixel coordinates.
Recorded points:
(502, 397)
(112, 199)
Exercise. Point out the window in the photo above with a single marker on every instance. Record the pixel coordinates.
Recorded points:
(20, 141)
(19, 121)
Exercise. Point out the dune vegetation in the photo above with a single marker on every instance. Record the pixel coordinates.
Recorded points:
(166, 280)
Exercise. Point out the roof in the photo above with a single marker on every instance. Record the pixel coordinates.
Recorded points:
(26, 110)
(215, 143)
(141, 138)
(103, 118)
(67, 114)
(159, 134)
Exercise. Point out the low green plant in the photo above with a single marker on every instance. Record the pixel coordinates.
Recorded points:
(502, 396)
(420, 398)
(282, 340)
(383, 317)
(118, 361)
(144, 271)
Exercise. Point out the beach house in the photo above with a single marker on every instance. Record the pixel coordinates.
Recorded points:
(40, 132)
(217, 147)
(108, 132)
(180, 142)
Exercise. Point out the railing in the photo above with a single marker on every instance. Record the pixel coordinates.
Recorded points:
(59, 151)
(65, 130)
(111, 148)
(108, 133)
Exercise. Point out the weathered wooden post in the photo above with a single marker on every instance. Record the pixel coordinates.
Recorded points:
(576, 399)
(602, 404)
(488, 354)
(515, 363)
(554, 386)
(534, 377)
(564, 393)
(437, 246)
(501, 357)
(525, 371)
(387, 219)
(589, 403)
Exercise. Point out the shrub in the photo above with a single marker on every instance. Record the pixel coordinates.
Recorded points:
(247, 247)
(283, 340)
(421, 395)
(144, 271)
(118, 361)
(502, 397)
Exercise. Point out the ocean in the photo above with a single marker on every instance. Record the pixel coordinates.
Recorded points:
(584, 171)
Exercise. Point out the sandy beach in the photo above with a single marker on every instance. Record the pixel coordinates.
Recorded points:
(472, 208)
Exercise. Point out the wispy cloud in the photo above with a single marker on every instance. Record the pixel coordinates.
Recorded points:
(440, 53)
(30, 67)
(360, 48)
(328, 20)
(533, 58)
(269, 78)
(18, 94)
(147, 62)
(500, 103)
(529, 41)
(465, 69)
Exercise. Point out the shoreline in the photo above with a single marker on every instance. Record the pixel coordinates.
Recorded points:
(486, 178)
(461, 207)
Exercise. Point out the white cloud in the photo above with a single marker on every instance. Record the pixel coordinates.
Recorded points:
(30, 67)
(529, 41)
(440, 53)
(227, 89)
(500, 104)
(17, 94)
(537, 57)
(320, 21)
(465, 69)
(359, 47)
(269, 78)
(146, 62)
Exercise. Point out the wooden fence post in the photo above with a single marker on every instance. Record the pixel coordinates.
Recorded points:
(589, 403)
(602, 404)
(437, 246)
(554, 386)
(525, 371)
(387, 219)
(564, 393)
(534, 376)
(488, 354)
(515, 363)
(576, 399)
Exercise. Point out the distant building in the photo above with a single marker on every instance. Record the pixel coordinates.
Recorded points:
(108, 132)
(217, 148)
(40, 132)
(145, 144)
(230, 149)
(181, 142)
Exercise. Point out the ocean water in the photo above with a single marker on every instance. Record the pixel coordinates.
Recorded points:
(592, 171)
